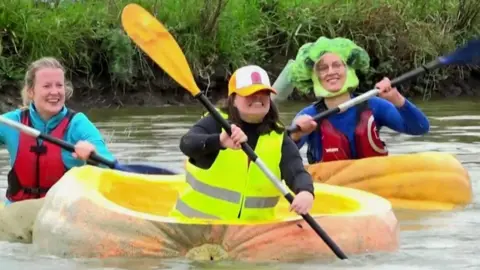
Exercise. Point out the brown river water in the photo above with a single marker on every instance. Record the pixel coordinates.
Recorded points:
(433, 240)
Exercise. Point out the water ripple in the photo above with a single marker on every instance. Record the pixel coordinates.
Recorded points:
(428, 240)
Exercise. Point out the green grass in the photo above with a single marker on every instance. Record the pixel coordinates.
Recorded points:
(220, 35)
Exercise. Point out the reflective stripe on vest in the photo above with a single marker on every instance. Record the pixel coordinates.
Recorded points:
(191, 212)
(230, 196)
(230, 189)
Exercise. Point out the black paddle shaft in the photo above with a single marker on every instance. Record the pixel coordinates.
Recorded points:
(253, 157)
(395, 82)
(224, 123)
(69, 147)
(320, 232)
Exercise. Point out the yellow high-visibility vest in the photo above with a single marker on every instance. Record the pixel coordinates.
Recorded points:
(232, 188)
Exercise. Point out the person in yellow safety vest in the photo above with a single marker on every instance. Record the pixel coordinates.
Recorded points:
(223, 183)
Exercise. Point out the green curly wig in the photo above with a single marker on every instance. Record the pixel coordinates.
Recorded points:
(302, 73)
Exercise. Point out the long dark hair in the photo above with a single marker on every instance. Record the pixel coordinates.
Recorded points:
(271, 121)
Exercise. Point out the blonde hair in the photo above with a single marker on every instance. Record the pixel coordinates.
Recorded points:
(29, 81)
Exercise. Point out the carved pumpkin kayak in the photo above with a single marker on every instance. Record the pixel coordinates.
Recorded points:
(422, 181)
(96, 212)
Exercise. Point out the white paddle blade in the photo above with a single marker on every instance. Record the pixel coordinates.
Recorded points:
(282, 84)
(21, 127)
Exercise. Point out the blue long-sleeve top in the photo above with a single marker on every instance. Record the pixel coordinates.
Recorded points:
(407, 119)
(80, 129)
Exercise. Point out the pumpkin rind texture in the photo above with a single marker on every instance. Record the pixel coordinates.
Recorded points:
(95, 212)
(422, 181)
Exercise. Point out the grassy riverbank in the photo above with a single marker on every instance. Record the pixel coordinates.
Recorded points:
(219, 35)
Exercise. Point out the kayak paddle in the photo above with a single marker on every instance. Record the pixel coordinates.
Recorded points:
(155, 40)
(282, 84)
(468, 54)
(135, 168)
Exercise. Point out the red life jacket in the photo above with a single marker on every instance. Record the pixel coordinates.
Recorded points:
(37, 166)
(335, 145)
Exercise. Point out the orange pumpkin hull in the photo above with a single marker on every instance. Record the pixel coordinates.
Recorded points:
(94, 212)
(422, 181)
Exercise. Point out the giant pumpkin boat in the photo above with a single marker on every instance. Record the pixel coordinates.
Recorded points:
(420, 181)
(97, 212)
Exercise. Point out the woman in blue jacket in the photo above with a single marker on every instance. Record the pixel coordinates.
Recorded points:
(36, 165)
(328, 68)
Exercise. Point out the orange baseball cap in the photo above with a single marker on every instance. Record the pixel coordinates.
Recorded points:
(248, 80)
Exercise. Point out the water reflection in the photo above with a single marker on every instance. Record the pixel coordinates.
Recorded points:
(433, 240)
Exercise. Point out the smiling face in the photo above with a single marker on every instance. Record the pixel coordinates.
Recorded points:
(48, 91)
(254, 107)
(46, 87)
(331, 72)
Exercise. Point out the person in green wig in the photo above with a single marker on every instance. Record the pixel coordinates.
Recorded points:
(328, 67)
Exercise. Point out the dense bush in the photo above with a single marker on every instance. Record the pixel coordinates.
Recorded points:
(219, 35)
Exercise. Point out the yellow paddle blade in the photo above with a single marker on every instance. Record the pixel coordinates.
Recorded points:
(155, 40)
